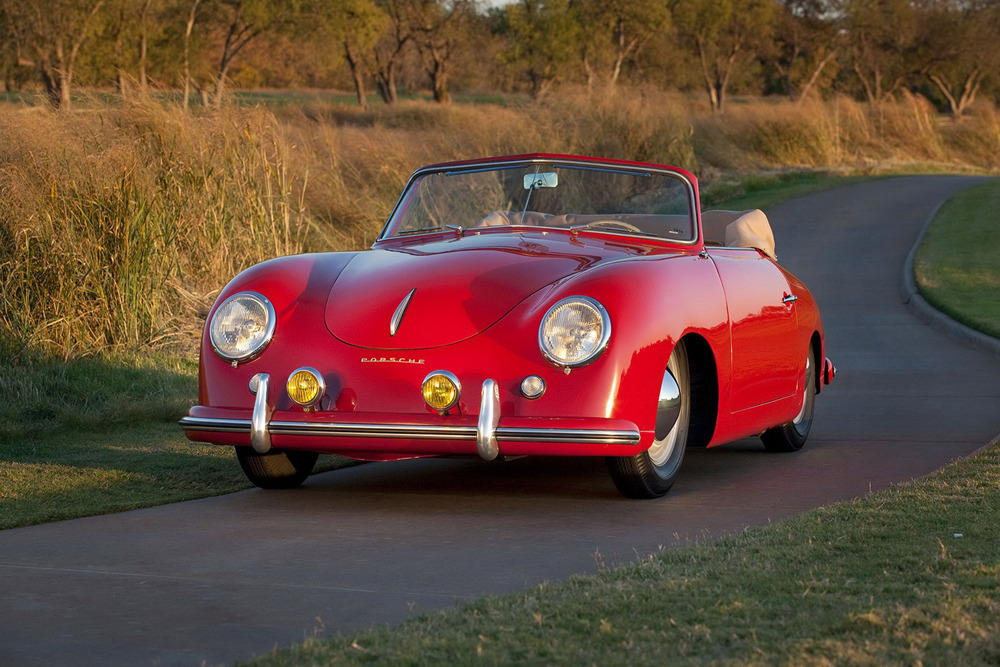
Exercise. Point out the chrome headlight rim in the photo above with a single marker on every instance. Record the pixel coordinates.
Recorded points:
(269, 327)
(602, 341)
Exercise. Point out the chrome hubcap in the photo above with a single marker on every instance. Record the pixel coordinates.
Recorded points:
(805, 394)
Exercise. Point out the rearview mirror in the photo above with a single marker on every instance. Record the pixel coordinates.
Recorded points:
(547, 179)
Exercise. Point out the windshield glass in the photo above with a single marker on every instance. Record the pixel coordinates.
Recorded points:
(549, 194)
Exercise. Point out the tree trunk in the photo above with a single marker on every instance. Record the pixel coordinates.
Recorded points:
(807, 88)
(713, 96)
(143, 41)
(49, 80)
(187, 53)
(357, 73)
(439, 81)
(970, 88)
(385, 81)
(119, 55)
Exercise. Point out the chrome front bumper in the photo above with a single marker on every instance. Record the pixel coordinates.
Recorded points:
(487, 434)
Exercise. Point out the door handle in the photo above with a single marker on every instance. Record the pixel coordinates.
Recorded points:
(789, 298)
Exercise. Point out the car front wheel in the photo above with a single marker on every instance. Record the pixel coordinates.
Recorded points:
(277, 469)
(651, 473)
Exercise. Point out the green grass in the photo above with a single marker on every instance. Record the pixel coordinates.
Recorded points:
(905, 576)
(958, 265)
(100, 435)
(767, 190)
(71, 473)
(92, 436)
(47, 395)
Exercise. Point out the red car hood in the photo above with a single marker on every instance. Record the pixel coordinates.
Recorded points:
(460, 286)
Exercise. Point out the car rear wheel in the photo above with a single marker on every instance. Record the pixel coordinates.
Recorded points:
(790, 437)
(277, 469)
(651, 473)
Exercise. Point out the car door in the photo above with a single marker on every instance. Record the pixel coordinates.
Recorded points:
(766, 363)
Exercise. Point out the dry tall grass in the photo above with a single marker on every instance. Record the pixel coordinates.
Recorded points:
(118, 226)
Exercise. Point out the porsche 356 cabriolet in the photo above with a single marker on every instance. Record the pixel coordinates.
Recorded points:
(530, 305)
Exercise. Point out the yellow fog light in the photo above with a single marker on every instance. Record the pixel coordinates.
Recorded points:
(305, 386)
(441, 390)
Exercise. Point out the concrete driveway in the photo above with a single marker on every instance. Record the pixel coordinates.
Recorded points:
(228, 578)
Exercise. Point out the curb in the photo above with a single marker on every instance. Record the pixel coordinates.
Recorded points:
(931, 315)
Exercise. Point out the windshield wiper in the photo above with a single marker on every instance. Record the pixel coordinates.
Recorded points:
(407, 232)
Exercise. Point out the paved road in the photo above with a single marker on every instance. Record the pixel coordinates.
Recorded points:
(226, 578)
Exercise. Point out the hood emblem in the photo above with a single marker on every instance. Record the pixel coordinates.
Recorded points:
(397, 316)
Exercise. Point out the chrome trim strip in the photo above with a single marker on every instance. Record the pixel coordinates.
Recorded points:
(587, 436)
(489, 417)
(215, 425)
(397, 316)
(402, 431)
(415, 431)
(260, 439)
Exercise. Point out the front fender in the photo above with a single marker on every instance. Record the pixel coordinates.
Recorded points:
(652, 303)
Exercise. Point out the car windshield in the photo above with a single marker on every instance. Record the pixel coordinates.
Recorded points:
(620, 200)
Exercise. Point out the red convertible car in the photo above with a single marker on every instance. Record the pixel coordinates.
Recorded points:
(531, 305)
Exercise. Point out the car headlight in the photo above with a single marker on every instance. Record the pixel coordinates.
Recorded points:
(574, 331)
(242, 326)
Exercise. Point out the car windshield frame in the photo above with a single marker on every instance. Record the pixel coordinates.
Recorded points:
(412, 216)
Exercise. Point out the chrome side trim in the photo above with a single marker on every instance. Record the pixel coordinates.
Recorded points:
(397, 316)
(489, 417)
(400, 431)
(415, 431)
(260, 439)
(586, 436)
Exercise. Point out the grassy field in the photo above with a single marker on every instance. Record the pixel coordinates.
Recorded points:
(98, 435)
(958, 265)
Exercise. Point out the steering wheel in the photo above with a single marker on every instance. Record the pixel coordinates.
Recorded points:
(611, 223)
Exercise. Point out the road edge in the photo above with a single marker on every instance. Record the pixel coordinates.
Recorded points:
(931, 315)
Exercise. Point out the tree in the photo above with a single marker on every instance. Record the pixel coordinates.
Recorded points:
(542, 40)
(723, 34)
(243, 21)
(390, 47)
(808, 38)
(50, 36)
(614, 31)
(355, 26)
(881, 35)
(439, 28)
(192, 15)
(958, 48)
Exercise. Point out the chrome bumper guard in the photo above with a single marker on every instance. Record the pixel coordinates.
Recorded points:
(487, 435)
